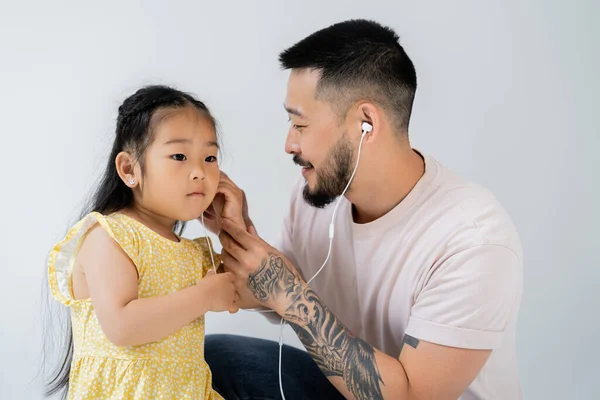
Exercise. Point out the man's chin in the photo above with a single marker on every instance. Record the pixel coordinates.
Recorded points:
(315, 198)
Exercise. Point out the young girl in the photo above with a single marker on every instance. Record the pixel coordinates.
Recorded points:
(137, 290)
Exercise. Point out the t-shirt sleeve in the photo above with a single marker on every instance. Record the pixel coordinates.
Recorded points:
(284, 243)
(468, 299)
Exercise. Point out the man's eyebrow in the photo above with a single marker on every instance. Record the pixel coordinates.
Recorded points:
(293, 111)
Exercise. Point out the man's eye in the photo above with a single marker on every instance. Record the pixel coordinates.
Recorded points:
(211, 159)
(179, 157)
(296, 127)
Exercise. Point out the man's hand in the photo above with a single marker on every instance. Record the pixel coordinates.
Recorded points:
(230, 202)
(262, 273)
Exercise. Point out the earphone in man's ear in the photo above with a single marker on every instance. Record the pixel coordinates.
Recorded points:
(366, 128)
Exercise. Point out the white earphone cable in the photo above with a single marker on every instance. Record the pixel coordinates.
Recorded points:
(212, 257)
(331, 234)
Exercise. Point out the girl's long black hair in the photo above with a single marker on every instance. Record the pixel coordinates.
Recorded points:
(133, 134)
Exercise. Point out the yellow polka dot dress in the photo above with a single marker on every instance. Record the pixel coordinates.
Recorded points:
(171, 368)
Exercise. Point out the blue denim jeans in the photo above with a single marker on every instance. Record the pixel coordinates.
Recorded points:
(245, 368)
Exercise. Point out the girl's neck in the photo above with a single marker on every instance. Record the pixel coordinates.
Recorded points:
(158, 223)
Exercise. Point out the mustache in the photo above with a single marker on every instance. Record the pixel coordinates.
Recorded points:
(298, 161)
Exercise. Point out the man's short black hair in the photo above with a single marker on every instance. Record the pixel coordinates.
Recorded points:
(358, 60)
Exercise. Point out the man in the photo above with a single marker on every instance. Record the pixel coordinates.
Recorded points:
(419, 298)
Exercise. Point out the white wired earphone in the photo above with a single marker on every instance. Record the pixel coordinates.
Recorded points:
(366, 128)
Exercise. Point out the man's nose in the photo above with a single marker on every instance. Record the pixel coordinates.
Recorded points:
(291, 144)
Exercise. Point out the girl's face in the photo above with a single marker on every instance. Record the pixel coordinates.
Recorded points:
(181, 171)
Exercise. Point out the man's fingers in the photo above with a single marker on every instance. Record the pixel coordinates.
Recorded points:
(252, 230)
(231, 265)
(227, 184)
(224, 181)
(244, 205)
(237, 234)
(231, 276)
(230, 244)
(227, 191)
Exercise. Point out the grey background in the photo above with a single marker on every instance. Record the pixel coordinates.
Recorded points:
(505, 99)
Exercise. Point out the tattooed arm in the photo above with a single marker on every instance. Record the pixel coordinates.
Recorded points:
(357, 369)
(339, 354)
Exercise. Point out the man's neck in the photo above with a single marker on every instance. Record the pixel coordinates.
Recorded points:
(388, 180)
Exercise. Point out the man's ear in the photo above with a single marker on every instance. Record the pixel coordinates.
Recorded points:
(368, 112)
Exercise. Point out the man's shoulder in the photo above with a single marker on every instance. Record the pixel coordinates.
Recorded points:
(472, 210)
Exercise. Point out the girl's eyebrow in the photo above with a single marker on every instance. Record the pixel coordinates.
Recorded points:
(210, 143)
(179, 141)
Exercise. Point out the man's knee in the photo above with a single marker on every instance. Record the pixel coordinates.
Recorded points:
(221, 350)
(214, 344)
(235, 352)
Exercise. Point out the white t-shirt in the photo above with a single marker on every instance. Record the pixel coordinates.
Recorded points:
(443, 266)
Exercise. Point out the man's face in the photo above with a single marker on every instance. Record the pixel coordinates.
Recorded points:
(318, 140)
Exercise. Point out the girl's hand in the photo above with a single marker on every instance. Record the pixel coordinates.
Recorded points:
(219, 292)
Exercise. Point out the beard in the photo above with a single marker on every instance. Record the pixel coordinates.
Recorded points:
(332, 177)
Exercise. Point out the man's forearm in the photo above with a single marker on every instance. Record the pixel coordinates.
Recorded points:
(335, 349)
(351, 364)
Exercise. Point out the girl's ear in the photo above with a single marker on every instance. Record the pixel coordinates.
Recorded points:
(126, 168)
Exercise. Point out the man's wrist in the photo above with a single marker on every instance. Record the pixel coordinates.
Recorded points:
(292, 294)
(275, 283)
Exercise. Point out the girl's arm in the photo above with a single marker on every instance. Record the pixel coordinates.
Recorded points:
(126, 320)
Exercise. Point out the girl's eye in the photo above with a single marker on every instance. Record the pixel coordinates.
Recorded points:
(179, 157)
(211, 159)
